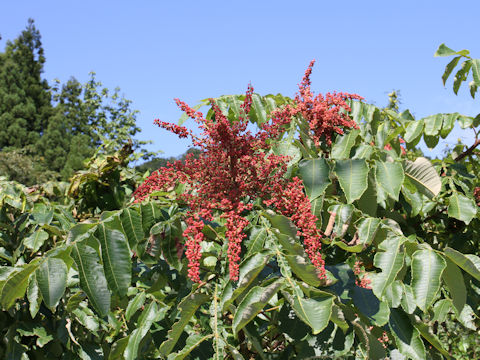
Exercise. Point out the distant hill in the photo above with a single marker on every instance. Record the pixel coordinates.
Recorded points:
(159, 162)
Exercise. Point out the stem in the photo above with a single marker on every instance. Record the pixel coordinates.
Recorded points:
(468, 151)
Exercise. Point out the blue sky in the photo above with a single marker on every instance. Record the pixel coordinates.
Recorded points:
(156, 51)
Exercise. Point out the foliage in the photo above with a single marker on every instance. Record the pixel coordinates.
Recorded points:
(399, 240)
(106, 184)
(56, 128)
(22, 166)
(467, 65)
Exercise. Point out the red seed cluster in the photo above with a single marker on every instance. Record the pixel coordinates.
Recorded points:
(236, 168)
(325, 115)
(476, 194)
(362, 280)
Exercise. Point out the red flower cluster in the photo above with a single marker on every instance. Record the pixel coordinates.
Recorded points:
(362, 280)
(476, 195)
(325, 115)
(233, 170)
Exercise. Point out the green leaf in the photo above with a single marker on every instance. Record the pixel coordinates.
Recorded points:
(192, 342)
(35, 240)
(258, 112)
(304, 269)
(363, 151)
(118, 348)
(366, 230)
(86, 317)
(443, 50)
(433, 124)
(441, 310)
(92, 277)
(30, 329)
(52, 280)
(132, 225)
(248, 271)
(171, 237)
(453, 278)
(343, 145)
(461, 207)
(148, 317)
(406, 336)
(256, 240)
(116, 259)
(424, 176)
(449, 68)
(448, 124)
(390, 261)
(135, 304)
(414, 130)
(282, 224)
(473, 88)
(187, 307)
(467, 318)
(314, 311)
(414, 199)
(461, 75)
(315, 176)
(476, 71)
(75, 300)
(427, 268)
(365, 203)
(428, 335)
(393, 294)
(253, 303)
(465, 121)
(42, 214)
(431, 141)
(352, 176)
(408, 300)
(80, 231)
(34, 297)
(470, 263)
(151, 214)
(377, 311)
(382, 134)
(16, 285)
(389, 177)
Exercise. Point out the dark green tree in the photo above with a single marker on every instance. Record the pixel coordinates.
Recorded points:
(25, 100)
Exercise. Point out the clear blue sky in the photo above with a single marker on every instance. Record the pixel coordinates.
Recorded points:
(157, 50)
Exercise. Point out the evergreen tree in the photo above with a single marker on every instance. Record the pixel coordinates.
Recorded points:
(25, 100)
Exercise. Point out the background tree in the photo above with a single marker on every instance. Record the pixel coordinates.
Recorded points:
(56, 128)
(25, 100)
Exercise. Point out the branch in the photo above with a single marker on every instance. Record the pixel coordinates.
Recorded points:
(468, 151)
(331, 221)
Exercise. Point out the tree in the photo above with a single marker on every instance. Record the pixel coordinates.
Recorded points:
(86, 117)
(25, 106)
(322, 235)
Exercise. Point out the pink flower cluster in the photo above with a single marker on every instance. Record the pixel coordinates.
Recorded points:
(325, 115)
(233, 170)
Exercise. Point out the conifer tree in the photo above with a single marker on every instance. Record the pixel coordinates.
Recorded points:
(25, 100)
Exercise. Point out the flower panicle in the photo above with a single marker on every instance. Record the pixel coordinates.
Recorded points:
(233, 170)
